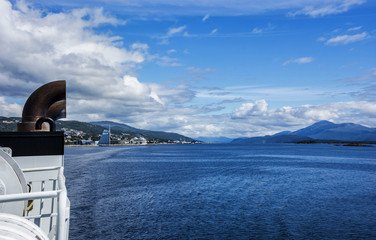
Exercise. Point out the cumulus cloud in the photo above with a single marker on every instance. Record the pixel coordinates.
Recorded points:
(302, 60)
(257, 119)
(39, 47)
(346, 39)
(9, 109)
(258, 113)
(251, 109)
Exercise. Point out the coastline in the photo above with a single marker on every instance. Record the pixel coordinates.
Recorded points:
(128, 144)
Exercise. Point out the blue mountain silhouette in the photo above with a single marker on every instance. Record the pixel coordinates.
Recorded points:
(323, 130)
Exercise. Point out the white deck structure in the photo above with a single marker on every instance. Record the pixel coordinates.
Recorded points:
(33, 188)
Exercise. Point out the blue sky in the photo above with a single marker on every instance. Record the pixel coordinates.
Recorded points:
(199, 68)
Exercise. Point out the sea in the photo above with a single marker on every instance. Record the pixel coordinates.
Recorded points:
(222, 191)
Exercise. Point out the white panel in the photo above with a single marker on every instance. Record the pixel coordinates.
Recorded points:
(40, 161)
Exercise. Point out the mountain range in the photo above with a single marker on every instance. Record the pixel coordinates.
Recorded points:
(323, 131)
(94, 129)
(160, 135)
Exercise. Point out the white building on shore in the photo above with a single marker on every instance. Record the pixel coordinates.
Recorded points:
(138, 140)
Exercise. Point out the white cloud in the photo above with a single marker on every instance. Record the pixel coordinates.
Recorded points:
(140, 46)
(354, 28)
(257, 115)
(168, 61)
(98, 69)
(346, 39)
(173, 31)
(256, 119)
(257, 30)
(206, 17)
(171, 51)
(155, 96)
(102, 83)
(214, 31)
(302, 60)
(8, 109)
(321, 8)
(132, 85)
(251, 109)
(162, 8)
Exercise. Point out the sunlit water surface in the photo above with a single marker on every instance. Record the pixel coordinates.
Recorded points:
(283, 191)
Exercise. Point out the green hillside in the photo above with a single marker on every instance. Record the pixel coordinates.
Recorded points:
(75, 130)
(156, 135)
(9, 124)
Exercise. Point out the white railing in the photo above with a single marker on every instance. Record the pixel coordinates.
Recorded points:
(57, 217)
(62, 231)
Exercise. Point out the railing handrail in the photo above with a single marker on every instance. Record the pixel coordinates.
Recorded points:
(28, 196)
(60, 194)
(61, 230)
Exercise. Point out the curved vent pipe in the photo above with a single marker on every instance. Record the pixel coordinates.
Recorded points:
(44, 106)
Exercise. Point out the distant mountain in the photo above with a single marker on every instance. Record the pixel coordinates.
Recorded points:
(283, 133)
(115, 125)
(331, 131)
(165, 136)
(9, 124)
(89, 129)
(271, 139)
(214, 139)
(323, 130)
(314, 129)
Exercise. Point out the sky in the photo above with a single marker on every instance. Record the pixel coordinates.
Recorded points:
(237, 68)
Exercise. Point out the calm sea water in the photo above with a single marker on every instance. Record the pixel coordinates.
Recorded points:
(278, 191)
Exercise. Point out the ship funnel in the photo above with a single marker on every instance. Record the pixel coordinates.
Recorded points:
(45, 105)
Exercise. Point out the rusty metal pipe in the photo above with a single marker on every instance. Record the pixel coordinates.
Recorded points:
(48, 101)
(57, 110)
